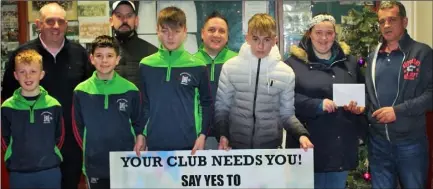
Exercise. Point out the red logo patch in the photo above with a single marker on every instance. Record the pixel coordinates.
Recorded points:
(411, 69)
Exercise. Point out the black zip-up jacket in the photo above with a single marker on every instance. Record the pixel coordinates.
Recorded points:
(107, 116)
(334, 135)
(132, 50)
(62, 73)
(414, 94)
(32, 132)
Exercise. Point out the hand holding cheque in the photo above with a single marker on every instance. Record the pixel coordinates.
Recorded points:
(354, 95)
(350, 96)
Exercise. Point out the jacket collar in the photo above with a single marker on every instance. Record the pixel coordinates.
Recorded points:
(17, 95)
(133, 36)
(174, 54)
(98, 81)
(405, 42)
(273, 57)
(219, 57)
(38, 42)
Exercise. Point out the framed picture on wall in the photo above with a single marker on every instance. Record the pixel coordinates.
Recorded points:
(33, 31)
(72, 32)
(33, 8)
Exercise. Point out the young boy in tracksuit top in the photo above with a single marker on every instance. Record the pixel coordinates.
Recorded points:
(107, 114)
(175, 89)
(32, 128)
(214, 52)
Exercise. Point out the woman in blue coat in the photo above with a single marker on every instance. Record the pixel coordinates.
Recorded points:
(319, 61)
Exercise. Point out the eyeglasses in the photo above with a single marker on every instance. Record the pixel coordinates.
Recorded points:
(53, 21)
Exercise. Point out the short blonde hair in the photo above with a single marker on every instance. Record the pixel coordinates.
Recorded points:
(28, 56)
(262, 24)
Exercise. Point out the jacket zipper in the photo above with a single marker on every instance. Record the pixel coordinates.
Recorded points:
(31, 107)
(168, 74)
(398, 91)
(212, 72)
(254, 104)
(104, 85)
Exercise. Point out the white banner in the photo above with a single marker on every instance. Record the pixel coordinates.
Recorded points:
(273, 168)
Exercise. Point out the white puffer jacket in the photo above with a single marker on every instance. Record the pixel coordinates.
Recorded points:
(251, 110)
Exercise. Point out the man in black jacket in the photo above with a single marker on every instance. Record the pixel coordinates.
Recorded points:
(65, 64)
(124, 21)
(399, 90)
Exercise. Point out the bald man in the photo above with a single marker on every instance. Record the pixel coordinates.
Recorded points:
(65, 64)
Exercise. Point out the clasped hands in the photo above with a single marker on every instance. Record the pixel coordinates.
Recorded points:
(382, 115)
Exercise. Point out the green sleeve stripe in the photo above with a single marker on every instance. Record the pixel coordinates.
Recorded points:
(8, 153)
(145, 128)
(58, 153)
(197, 112)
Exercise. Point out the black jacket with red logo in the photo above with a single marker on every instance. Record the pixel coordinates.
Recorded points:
(414, 93)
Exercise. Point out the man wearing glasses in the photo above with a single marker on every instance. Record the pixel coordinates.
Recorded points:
(65, 64)
(124, 21)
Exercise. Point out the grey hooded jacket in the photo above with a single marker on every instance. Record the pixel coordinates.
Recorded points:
(255, 101)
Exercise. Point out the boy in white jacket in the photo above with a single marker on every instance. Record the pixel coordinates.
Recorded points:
(255, 97)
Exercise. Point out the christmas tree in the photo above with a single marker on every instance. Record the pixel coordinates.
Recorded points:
(361, 32)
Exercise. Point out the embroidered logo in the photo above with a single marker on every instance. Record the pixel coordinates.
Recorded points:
(123, 104)
(185, 78)
(94, 180)
(411, 69)
(47, 117)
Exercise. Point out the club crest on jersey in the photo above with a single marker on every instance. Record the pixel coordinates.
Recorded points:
(47, 117)
(185, 78)
(123, 104)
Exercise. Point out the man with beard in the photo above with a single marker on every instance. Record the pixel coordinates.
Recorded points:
(124, 21)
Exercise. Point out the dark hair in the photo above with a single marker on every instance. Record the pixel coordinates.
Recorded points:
(105, 41)
(173, 16)
(216, 14)
(390, 4)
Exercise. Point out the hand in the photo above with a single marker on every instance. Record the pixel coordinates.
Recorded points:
(384, 115)
(199, 144)
(328, 106)
(224, 144)
(352, 107)
(140, 144)
(305, 143)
